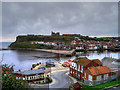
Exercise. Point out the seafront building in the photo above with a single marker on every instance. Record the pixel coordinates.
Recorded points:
(97, 75)
(91, 72)
(32, 75)
(79, 65)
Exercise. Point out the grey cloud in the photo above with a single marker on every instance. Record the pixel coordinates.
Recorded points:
(94, 19)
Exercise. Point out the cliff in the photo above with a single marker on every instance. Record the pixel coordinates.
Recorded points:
(23, 41)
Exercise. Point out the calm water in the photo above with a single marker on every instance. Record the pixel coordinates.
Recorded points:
(24, 59)
(4, 44)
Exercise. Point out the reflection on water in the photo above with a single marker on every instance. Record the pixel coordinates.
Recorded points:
(24, 59)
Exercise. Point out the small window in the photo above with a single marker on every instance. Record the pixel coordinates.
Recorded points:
(16, 77)
(105, 76)
(81, 68)
(90, 77)
(23, 78)
(99, 78)
(19, 77)
(76, 74)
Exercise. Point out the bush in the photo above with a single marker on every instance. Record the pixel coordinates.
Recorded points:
(9, 81)
(34, 65)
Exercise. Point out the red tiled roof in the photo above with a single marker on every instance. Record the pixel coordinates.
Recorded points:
(99, 70)
(97, 61)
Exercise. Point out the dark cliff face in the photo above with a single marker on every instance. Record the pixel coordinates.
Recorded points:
(24, 41)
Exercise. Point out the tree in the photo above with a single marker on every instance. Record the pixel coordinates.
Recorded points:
(9, 81)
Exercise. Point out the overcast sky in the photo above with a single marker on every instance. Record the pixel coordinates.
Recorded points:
(88, 18)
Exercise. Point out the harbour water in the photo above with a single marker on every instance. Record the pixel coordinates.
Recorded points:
(23, 59)
(4, 44)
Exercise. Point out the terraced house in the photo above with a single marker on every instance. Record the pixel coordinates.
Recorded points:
(79, 65)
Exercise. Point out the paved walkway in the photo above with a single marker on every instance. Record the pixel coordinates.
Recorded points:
(58, 67)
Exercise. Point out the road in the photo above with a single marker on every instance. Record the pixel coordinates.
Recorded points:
(62, 81)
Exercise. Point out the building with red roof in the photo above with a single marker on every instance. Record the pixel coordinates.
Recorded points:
(79, 65)
(97, 75)
(91, 72)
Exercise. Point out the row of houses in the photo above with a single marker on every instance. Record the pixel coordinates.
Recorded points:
(91, 72)
(80, 44)
(91, 44)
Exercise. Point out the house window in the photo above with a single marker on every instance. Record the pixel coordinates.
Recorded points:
(75, 66)
(42, 76)
(85, 75)
(78, 75)
(90, 77)
(99, 78)
(23, 78)
(73, 72)
(81, 68)
(70, 71)
(19, 77)
(105, 76)
(16, 77)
